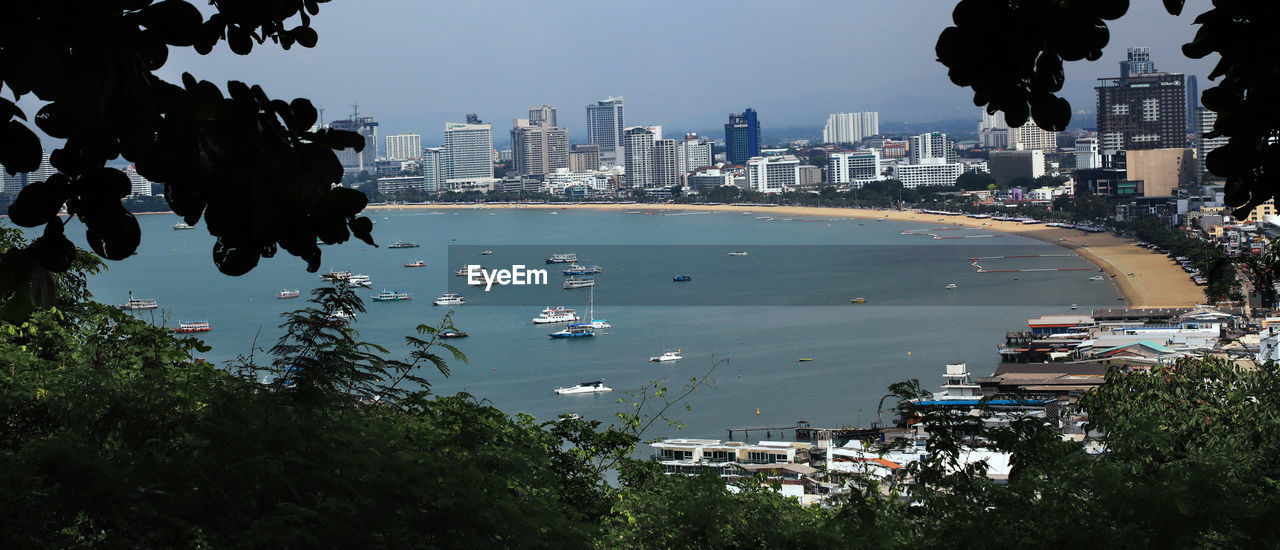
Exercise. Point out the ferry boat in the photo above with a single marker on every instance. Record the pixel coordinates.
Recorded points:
(403, 244)
(574, 331)
(738, 253)
(180, 226)
(335, 275)
(559, 314)
(416, 263)
(563, 259)
(339, 318)
(682, 278)
(578, 282)
(575, 269)
(585, 387)
(286, 293)
(452, 333)
(391, 296)
(668, 356)
(192, 326)
(139, 303)
(360, 280)
(951, 286)
(450, 299)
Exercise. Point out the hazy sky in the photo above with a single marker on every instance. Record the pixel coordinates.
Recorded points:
(414, 64)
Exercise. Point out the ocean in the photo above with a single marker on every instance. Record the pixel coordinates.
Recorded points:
(751, 317)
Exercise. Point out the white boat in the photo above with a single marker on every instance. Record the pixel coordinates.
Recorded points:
(668, 356)
(339, 318)
(486, 252)
(1075, 306)
(738, 253)
(336, 275)
(450, 299)
(286, 293)
(1096, 278)
(578, 282)
(585, 387)
(577, 330)
(575, 269)
(559, 314)
(391, 296)
(591, 314)
(180, 226)
(463, 272)
(951, 286)
(563, 258)
(360, 280)
(138, 303)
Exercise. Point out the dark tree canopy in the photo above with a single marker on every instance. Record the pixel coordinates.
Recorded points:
(1022, 77)
(250, 165)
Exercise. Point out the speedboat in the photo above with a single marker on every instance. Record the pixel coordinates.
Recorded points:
(563, 258)
(452, 333)
(585, 387)
(574, 331)
(286, 293)
(682, 278)
(558, 314)
(450, 299)
(575, 269)
(416, 263)
(668, 356)
(951, 286)
(486, 252)
(192, 326)
(1074, 306)
(1096, 278)
(181, 226)
(858, 300)
(403, 244)
(578, 282)
(391, 296)
(738, 253)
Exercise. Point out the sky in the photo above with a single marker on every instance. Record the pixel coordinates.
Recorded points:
(414, 65)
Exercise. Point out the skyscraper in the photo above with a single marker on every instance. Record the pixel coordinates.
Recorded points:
(1193, 103)
(404, 146)
(353, 162)
(666, 165)
(433, 169)
(638, 157)
(1142, 109)
(742, 137)
(538, 149)
(605, 125)
(1204, 123)
(584, 157)
(544, 115)
(468, 151)
(693, 153)
(934, 145)
(850, 127)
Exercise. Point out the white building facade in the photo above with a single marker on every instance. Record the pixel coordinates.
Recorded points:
(637, 157)
(404, 146)
(467, 151)
(929, 174)
(850, 127)
(605, 127)
(773, 174)
(847, 167)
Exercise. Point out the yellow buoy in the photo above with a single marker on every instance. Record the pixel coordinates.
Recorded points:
(908, 353)
(757, 410)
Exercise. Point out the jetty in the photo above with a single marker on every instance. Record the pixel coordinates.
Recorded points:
(804, 431)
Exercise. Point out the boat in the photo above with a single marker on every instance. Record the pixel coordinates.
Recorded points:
(486, 252)
(591, 313)
(682, 278)
(563, 259)
(668, 356)
(192, 326)
(286, 293)
(1096, 278)
(451, 333)
(391, 296)
(804, 359)
(575, 269)
(180, 226)
(464, 271)
(558, 314)
(585, 387)
(951, 286)
(1075, 306)
(339, 318)
(416, 263)
(403, 244)
(738, 253)
(858, 300)
(139, 303)
(879, 219)
(450, 299)
(578, 282)
(360, 280)
(574, 331)
(335, 275)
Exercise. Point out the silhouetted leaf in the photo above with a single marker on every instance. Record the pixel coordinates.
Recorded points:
(306, 36)
(112, 232)
(39, 202)
(362, 228)
(20, 149)
(1174, 7)
(233, 261)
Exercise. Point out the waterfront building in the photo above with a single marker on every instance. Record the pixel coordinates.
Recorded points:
(933, 145)
(930, 173)
(538, 148)
(810, 176)
(12, 184)
(584, 157)
(605, 126)
(666, 172)
(467, 151)
(542, 115)
(693, 153)
(638, 157)
(354, 162)
(1143, 108)
(138, 185)
(846, 166)
(850, 127)
(404, 146)
(709, 178)
(395, 184)
(1006, 166)
(742, 137)
(773, 174)
(1088, 154)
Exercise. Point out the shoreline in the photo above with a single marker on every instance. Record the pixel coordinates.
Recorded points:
(1145, 278)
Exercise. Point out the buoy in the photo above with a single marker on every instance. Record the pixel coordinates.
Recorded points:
(757, 410)
(908, 353)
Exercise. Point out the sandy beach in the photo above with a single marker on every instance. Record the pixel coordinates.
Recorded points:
(1146, 278)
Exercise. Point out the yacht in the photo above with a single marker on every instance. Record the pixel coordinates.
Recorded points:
(581, 330)
(192, 326)
(575, 269)
(403, 244)
(951, 286)
(452, 333)
(180, 226)
(339, 318)
(139, 303)
(682, 278)
(559, 314)
(585, 387)
(450, 299)
(486, 252)
(416, 263)
(391, 296)
(578, 282)
(286, 293)
(738, 253)
(668, 356)
(563, 259)
(360, 280)
(858, 300)
(591, 314)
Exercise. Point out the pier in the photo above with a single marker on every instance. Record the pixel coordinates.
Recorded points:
(803, 431)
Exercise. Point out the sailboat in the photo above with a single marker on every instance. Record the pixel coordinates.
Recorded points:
(591, 314)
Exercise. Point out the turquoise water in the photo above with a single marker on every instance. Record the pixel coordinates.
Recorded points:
(909, 327)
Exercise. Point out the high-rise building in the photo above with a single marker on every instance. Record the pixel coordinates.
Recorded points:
(638, 157)
(1193, 102)
(1142, 109)
(1088, 154)
(404, 146)
(542, 115)
(742, 137)
(1006, 166)
(12, 184)
(354, 162)
(584, 157)
(848, 167)
(468, 151)
(693, 153)
(1032, 137)
(666, 171)
(605, 125)
(138, 185)
(1204, 123)
(933, 145)
(432, 169)
(473, 118)
(538, 149)
(773, 174)
(850, 127)
(933, 174)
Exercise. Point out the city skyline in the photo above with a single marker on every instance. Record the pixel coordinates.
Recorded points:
(891, 65)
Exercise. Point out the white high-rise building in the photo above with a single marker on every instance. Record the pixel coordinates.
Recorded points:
(468, 151)
(404, 146)
(666, 172)
(851, 127)
(993, 133)
(1204, 123)
(1088, 154)
(933, 145)
(933, 173)
(14, 184)
(693, 153)
(605, 126)
(849, 167)
(355, 162)
(773, 174)
(638, 157)
(1030, 137)
(138, 185)
(432, 169)
(542, 115)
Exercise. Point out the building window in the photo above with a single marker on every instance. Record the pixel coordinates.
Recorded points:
(1120, 109)
(1150, 109)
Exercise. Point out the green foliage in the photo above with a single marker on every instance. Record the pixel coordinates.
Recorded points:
(975, 181)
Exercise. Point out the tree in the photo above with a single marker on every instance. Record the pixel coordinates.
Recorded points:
(975, 181)
(251, 166)
(1021, 79)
